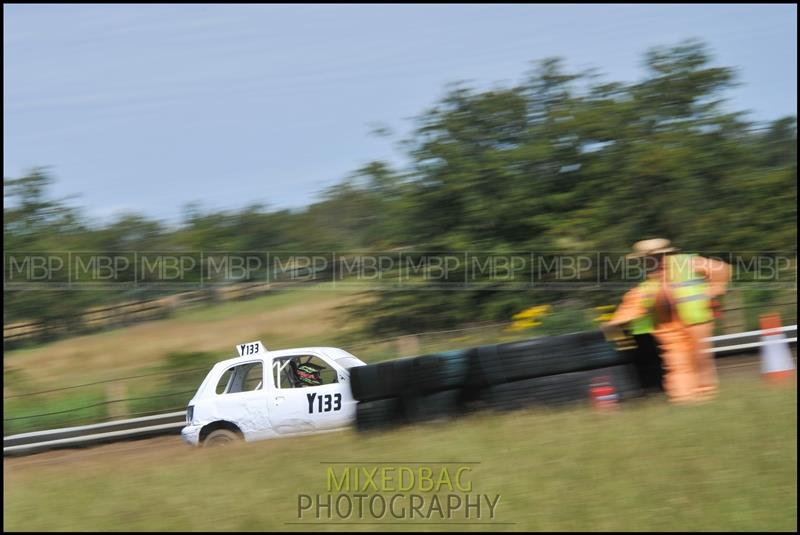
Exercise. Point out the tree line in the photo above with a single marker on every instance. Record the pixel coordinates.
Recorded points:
(561, 161)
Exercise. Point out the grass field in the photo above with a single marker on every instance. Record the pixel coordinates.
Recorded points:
(727, 465)
(191, 339)
(201, 336)
(281, 319)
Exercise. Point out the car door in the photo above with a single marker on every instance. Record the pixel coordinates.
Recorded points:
(296, 408)
(241, 398)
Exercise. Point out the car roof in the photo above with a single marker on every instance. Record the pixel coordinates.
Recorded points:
(330, 351)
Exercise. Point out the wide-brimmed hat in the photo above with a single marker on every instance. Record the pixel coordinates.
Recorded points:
(651, 247)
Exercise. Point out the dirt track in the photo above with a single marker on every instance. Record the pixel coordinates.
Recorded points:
(163, 446)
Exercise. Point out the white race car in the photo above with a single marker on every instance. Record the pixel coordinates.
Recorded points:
(264, 394)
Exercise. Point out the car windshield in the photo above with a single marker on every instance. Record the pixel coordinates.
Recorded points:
(349, 362)
(343, 358)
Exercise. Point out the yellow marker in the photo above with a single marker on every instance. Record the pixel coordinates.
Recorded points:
(527, 319)
(606, 313)
(532, 312)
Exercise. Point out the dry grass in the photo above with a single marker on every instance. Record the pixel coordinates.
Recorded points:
(297, 317)
(726, 465)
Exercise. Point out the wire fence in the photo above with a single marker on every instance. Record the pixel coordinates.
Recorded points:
(107, 381)
(102, 403)
(423, 338)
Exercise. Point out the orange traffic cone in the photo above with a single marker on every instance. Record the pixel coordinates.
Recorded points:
(776, 360)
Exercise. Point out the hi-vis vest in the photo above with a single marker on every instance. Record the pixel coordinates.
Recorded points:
(689, 291)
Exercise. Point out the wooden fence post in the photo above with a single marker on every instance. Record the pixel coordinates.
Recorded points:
(117, 391)
(733, 317)
(408, 345)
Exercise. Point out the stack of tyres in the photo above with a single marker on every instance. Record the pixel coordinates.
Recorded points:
(378, 414)
(549, 371)
(551, 355)
(407, 390)
(378, 389)
(388, 379)
(557, 390)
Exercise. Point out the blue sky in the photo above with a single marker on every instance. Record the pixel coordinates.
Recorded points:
(145, 108)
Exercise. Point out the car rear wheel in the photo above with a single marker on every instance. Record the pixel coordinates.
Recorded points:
(220, 437)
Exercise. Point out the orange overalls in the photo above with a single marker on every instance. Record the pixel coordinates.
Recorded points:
(690, 371)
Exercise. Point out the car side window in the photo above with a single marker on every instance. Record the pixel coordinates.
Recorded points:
(241, 378)
(254, 378)
(303, 371)
(222, 384)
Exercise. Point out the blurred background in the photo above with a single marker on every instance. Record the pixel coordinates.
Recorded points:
(348, 130)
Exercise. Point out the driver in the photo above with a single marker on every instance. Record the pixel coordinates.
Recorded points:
(308, 374)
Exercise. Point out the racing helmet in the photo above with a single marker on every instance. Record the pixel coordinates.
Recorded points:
(309, 374)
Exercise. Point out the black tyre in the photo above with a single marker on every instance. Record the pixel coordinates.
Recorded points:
(382, 380)
(551, 355)
(440, 371)
(441, 405)
(561, 389)
(379, 414)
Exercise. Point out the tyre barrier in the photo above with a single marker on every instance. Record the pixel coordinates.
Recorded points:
(496, 364)
(384, 413)
(558, 390)
(424, 374)
(378, 413)
(382, 380)
(548, 371)
(440, 371)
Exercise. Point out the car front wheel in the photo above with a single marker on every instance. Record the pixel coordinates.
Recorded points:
(220, 437)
